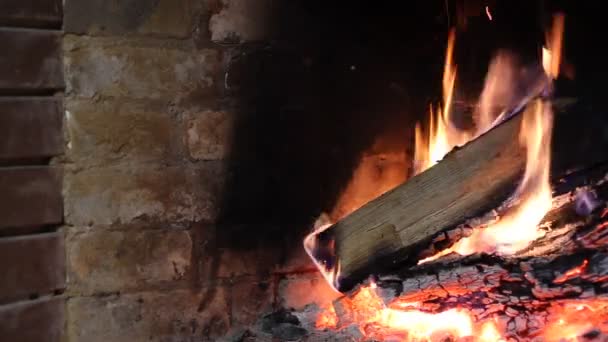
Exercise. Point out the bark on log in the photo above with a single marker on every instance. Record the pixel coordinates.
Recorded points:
(390, 231)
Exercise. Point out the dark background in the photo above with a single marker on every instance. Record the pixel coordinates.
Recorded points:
(341, 73)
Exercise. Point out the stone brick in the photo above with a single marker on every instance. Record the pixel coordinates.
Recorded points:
(166, 18)
(178, 315)
(109, 261)
(120, 195)
(297, 291)
(107, 131)
(251, 299)
(242, 20)
(138, 69)
(208, 134)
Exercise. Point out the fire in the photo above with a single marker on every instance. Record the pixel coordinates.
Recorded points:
(572, 273)
(519, 226)
(566, 320)
(327, 319)
(442, 136)
(489, 333)
(570, 319)
(376, 319)
(552, 54)
(512, 232)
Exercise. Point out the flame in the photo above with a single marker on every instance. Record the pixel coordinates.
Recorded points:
(566, 320)
(519, 227)
(552, 54)
(441, 136)
(489, 333)
(569, 320)
(514, 231)
(499, 93)
(375, 319)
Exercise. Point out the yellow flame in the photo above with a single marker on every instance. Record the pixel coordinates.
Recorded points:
(449, 75)
(519, 227)
(406, 320)
(422, 325)
(441, 136)
(489, 333)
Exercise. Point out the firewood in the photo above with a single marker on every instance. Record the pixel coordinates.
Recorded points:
(391, 231)
(387, 230)
(570, 237)
(562, 276)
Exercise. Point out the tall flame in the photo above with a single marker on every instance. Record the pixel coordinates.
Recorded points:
(441, 136)
(552, 54)
(518, 227)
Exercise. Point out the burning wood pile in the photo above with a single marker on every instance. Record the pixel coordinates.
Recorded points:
(500, 235)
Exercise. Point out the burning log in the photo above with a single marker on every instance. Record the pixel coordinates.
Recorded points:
(395, 230)
(440, 266)
(555, 289)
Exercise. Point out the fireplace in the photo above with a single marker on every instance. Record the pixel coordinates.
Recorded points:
(192, 147)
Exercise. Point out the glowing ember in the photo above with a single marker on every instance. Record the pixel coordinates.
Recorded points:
(374, 318)
(575, 272)
(572, 319)
(327, 319)
(489, 333)
(566, 320)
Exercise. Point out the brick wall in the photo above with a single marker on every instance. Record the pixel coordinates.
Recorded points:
(149, 123)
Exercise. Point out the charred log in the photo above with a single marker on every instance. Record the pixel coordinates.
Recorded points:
(525, 296)
(561, 277)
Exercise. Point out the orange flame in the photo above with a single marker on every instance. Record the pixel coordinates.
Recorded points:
(552, 54)
(441, 136)
(566, 320)
(370, 313)
(406, 321)
(571, 319)
(519, 227)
